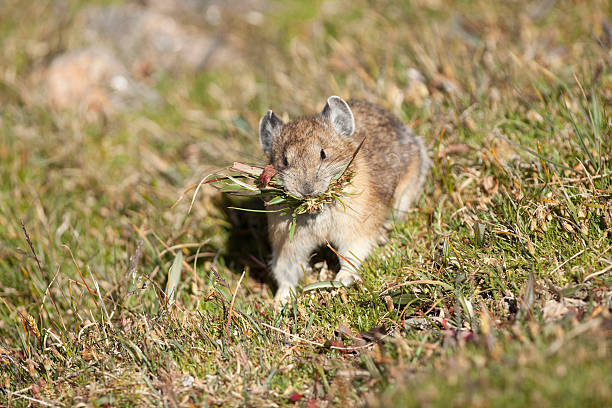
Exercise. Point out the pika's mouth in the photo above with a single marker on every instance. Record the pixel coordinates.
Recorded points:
(306, 192)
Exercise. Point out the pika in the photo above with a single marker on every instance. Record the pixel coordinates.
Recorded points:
(389, 170)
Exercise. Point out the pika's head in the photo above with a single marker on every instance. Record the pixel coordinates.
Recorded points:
(309, 152)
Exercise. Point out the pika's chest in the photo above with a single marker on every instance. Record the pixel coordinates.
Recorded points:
(322, 219)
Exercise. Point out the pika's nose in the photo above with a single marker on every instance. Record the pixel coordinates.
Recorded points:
(307, 189)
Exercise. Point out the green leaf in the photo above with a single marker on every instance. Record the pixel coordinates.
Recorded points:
(173, 277)
(292, 226)
(245, 185)
(277, 200)
(253, 210)
(323, 285)
(341, 202)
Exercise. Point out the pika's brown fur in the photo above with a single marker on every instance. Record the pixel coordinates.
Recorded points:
(308, 152)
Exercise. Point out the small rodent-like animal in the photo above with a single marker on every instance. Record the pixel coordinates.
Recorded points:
(389, 171)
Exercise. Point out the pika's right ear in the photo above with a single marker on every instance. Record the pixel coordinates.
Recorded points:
(269, 128)
(339, 114)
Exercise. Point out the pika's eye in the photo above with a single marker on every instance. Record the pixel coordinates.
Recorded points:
(323, 155)
(285, 161)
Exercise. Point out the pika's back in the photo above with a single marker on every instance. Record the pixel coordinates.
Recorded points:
(390, 148)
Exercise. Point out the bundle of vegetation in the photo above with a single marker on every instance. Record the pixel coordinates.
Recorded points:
(248, 180)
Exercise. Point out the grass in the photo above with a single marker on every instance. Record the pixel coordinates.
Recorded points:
(494, 291)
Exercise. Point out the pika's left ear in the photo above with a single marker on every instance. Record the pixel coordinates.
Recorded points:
(269, 129)
(339, 114)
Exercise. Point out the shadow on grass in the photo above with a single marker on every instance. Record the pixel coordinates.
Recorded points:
(247, 244)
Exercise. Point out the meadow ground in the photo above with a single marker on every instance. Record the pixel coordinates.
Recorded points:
(496, 291)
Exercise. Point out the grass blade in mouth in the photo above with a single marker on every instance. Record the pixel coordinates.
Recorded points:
(339, 175)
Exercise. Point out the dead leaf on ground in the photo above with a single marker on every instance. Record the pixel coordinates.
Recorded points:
(490, 184)
(349, 334)
(374, 334)
(460, 148)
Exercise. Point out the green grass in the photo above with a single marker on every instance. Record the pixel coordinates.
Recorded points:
(494, 292)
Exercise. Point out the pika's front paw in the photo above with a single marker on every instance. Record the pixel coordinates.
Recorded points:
(283, 294)
(347, 278)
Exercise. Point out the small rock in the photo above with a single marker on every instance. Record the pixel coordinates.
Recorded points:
(554, 310)
(79, 78)
(93, 79)
(187, 381)
(534, 116)
(415, 75)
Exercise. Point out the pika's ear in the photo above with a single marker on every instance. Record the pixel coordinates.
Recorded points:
(339, 114)
(269, 128)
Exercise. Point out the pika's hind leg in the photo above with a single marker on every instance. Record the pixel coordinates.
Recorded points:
(405, 195)
(410, 184)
